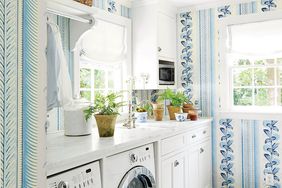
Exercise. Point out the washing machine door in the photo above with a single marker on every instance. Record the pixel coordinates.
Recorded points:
(138, 177)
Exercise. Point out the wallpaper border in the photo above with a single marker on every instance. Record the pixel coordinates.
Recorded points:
(34, 174)
(10, 107)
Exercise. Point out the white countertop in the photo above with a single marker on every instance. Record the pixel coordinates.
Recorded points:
(64, 152)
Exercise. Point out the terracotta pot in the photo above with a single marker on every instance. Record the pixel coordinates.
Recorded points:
(157, 106)
(86, 2)
(158, 114)
(190, 106)
(106, 125)
(172, 110)
(193, 115)
(186, 110)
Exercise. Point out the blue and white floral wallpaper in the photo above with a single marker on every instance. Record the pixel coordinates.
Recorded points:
(226, 164)
(113, 6)
(245, 151)
(186, 53)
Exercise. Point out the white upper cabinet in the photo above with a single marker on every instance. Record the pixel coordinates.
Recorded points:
(154, 38)
(166, 37)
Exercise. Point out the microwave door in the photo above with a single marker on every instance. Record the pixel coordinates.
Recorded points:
(166, 76)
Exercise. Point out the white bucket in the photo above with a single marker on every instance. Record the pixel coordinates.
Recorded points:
(75, 123)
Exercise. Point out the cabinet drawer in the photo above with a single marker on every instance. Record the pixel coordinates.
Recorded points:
(205, 132)
(172, 144)
(199, 135)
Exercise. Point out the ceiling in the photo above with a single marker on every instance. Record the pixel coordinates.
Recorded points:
(183, 3)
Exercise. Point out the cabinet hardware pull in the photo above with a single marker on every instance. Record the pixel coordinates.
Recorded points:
(176, 163)
(194, 136)
(159, 49)
(204, 132)
(202, 150)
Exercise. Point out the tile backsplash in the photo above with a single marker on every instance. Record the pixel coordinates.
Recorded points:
(145, 95)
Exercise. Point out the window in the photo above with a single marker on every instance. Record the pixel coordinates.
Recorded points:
(102, 59)
(102, 80)
(256, 82)
(251, 74)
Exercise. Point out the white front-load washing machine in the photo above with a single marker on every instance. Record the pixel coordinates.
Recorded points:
(131, 169)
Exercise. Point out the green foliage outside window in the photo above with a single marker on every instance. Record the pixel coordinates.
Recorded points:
(251, 84)
(85, 78)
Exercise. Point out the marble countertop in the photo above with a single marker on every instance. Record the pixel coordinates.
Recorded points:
(67, 152)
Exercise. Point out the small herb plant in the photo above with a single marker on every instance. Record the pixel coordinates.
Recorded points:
(104, 105)
(176, 98)
(145, 106)
(140, 109)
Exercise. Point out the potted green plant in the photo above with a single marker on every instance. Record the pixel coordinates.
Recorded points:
(105, 110)
(158, 111)
(141, 114)
(143, 111)
(176, 99)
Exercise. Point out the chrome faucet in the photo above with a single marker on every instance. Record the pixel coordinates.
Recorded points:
(130, 122)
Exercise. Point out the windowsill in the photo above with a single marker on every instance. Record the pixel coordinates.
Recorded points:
(256, 109)
(253, 113)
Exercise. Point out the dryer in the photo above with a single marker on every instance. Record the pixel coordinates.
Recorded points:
(131, 169)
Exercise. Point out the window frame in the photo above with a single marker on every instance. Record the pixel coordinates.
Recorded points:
(224, 84)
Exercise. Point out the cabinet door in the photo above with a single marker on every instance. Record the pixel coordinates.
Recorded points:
(178, 170)
(193, 167)
(205, 165)
(166, 172)
(166, 36)
(173, 172)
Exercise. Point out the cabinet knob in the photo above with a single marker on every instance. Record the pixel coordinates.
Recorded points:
(194, 136)
(176, 163)
(204, 132)
(202, 150)
(159, 49)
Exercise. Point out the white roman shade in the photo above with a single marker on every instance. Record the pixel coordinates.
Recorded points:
(104, 42)
(256, 39)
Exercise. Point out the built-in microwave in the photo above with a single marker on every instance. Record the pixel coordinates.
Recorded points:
(166, 73)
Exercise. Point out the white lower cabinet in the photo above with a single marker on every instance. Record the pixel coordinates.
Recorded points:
(199, 166)
(205, 165)
(190, 167)
(174, 171)
(193, 178)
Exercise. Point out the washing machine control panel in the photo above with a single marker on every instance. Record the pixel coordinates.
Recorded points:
(140, 155)
(87, 176)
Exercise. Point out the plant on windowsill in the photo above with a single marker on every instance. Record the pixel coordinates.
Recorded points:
(177, 99)
(105, 110)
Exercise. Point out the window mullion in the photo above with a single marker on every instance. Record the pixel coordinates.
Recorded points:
(107, 80)
(92, 85)
(253, 84)
(276, 85)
